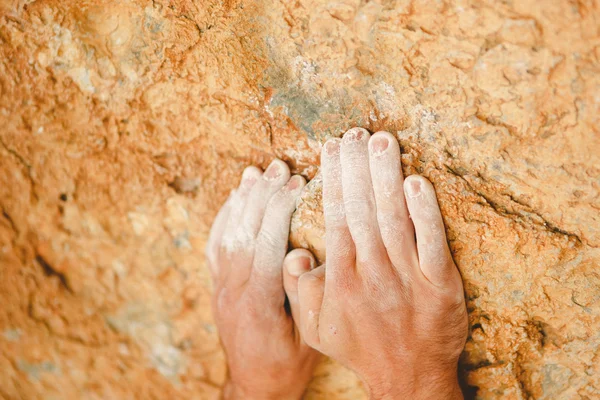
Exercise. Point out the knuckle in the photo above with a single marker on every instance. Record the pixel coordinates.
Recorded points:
(243, 234)
(392, 233)
(448, 298)
(280, 203)
(334, 210)
(438, 257)
(452, 297)
(241, 241)
(366, 237)
(276, 198)
(270, 239)
(358, 205)
(393, 215)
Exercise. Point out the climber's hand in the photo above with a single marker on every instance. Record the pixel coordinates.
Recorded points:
(388, 305)
(266, 356)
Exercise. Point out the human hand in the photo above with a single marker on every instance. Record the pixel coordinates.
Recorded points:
(267, 358)
(388, 305)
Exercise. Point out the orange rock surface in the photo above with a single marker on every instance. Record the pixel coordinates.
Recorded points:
(124, 125)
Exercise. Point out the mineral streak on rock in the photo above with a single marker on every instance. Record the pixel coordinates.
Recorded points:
(125, 124)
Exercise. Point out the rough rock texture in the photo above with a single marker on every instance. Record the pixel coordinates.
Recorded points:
(124, 124)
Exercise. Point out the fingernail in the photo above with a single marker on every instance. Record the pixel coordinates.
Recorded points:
(354, 135)
(300, 265)
(249, 177)
(294, 183)
(413, 189)
(332, 147)
(273, 172)
(379, 145)
(248, 181)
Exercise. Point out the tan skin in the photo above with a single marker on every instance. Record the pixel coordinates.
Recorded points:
(388, 304)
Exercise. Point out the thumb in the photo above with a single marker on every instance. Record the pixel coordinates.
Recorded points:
(296, 263)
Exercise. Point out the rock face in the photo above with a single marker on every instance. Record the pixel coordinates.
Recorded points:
(124, 125)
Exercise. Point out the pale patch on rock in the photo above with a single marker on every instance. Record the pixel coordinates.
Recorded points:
(12, 335)
(152, 331)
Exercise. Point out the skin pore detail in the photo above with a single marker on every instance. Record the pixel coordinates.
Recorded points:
(388, 304)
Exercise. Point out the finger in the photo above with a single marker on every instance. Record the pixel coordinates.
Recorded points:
(340, 249)
(248, 222)
(276, 175)
(215, 237)
(311, 287)
(396, 229)
(238, 202)
(296, 263)
(434, 256)
(359, 200)
(231, 249)
(272, 241)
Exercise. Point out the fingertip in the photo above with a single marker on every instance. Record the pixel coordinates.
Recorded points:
(251, 171)
(296, 183)
(421, 196)
(276, 170)
(250, 176)
(378, 145)
(382, 143)
(416, 185)
(299, 261)
(331, 148)
(355, 135)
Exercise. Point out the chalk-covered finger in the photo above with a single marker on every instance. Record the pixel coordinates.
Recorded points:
(394, 222)
(276, 175)
(272, 240)
(238, 200)
(435, 259)
(340, 248)
(359, 199)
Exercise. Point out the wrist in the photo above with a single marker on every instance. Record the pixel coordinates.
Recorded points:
(422, 385)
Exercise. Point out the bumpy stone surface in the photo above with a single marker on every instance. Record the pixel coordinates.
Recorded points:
(124, 125)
